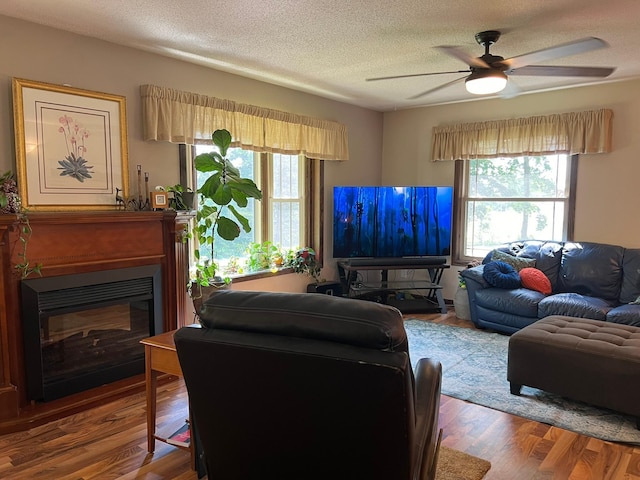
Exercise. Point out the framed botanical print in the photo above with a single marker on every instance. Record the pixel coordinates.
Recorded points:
(71, 147)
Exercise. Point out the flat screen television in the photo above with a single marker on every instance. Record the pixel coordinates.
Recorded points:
(392, 221)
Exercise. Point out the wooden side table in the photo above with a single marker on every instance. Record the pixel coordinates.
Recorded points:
(160, 357)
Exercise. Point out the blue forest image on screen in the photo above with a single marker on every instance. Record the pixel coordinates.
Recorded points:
(390, 221)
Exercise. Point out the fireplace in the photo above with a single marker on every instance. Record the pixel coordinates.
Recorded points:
(98, 244)
(83, 330)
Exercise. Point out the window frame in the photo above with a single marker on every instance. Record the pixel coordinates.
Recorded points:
(461, 184)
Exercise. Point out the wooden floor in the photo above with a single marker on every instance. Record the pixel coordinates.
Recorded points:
(109, 442)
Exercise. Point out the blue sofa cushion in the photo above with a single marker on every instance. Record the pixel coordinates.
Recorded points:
(574, 305)
(626, 314)
(630, 276)
(591, 269)
(548, 260)
(521, 301)
(502, 321)
(501, 275)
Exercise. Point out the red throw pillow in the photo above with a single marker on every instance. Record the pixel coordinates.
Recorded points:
(535, 279)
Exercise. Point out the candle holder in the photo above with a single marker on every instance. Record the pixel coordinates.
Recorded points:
(131, 203)
(135, 203)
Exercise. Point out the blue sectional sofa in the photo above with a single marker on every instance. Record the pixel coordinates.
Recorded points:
(588, 280)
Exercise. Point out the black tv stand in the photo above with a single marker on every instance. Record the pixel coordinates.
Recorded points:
(394, 261)
(386, 291)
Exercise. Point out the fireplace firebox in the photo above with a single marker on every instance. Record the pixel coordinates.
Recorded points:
(83, 330)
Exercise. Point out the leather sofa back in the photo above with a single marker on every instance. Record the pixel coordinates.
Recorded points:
(600, 270)
(592, 269)
(630, 290)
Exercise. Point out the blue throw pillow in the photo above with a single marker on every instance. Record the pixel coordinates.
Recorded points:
(501, 275)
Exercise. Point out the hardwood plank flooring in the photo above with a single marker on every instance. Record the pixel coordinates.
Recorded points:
(109, 442)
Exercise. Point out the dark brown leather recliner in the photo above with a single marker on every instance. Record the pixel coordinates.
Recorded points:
(308, 386)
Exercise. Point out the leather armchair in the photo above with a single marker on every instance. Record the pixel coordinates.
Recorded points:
(308, 386)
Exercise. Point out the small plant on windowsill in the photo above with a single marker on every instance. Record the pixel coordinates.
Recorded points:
(304, 261)
(221, 196)
(264, 256)
(10, 203)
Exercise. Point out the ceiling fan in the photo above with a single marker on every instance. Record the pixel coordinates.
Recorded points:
(489, 73)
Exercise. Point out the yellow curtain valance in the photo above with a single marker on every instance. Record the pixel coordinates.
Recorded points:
(183, 117)
(571, 133)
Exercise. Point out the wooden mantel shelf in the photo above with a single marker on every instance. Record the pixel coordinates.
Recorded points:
(80, 242)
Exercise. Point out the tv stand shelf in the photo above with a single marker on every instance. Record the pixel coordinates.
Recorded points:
(384, 290)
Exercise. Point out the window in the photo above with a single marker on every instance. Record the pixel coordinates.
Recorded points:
(508, 199)
(288, 198)
(285, 205)
(245, 161)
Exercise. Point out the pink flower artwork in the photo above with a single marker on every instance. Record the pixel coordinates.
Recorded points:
(74, 165)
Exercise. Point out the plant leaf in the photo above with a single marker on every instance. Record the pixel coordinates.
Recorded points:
(209, 162)
(243, 220)
(222, 140)
(222, 195)
(228, 229)
(248, 188)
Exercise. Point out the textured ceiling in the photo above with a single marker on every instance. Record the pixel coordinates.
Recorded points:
(329, 47)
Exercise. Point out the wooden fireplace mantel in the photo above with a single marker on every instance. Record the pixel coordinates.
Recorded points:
(80, 242)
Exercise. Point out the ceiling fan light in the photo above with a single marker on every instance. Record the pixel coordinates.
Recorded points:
(483, 82)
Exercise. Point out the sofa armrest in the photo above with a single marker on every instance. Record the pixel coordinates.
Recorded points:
(474, 281)
(474, 275)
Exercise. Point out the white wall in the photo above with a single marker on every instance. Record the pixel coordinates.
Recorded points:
(607, 189)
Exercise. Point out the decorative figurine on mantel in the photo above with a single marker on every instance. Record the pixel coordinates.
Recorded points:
(133, 202)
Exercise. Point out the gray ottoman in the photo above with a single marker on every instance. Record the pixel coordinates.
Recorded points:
(591, 361)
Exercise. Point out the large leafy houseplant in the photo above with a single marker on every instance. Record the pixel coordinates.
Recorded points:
(220, 199)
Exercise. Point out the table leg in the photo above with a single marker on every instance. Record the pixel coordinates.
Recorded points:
(151, 377)
(441, 304)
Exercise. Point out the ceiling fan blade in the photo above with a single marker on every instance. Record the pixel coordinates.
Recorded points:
(440, 87)
(556, 71)
(414, 75)
(511, 90)
(546, 54)
(464, 56)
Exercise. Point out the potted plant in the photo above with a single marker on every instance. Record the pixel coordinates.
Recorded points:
(182, 198)
(221, 196)
(10, 203)
(304, 261)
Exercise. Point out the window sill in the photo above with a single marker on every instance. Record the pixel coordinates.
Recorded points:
(243, 277)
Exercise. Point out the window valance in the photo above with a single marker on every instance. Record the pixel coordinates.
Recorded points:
(571, 133)
(183, 117)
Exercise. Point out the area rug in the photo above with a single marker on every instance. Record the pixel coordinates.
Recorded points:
(456, 465)
(474, 365)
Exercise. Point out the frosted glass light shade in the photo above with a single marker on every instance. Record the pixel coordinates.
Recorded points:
(485, 82)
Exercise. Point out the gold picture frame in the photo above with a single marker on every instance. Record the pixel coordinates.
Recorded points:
(71, 147)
